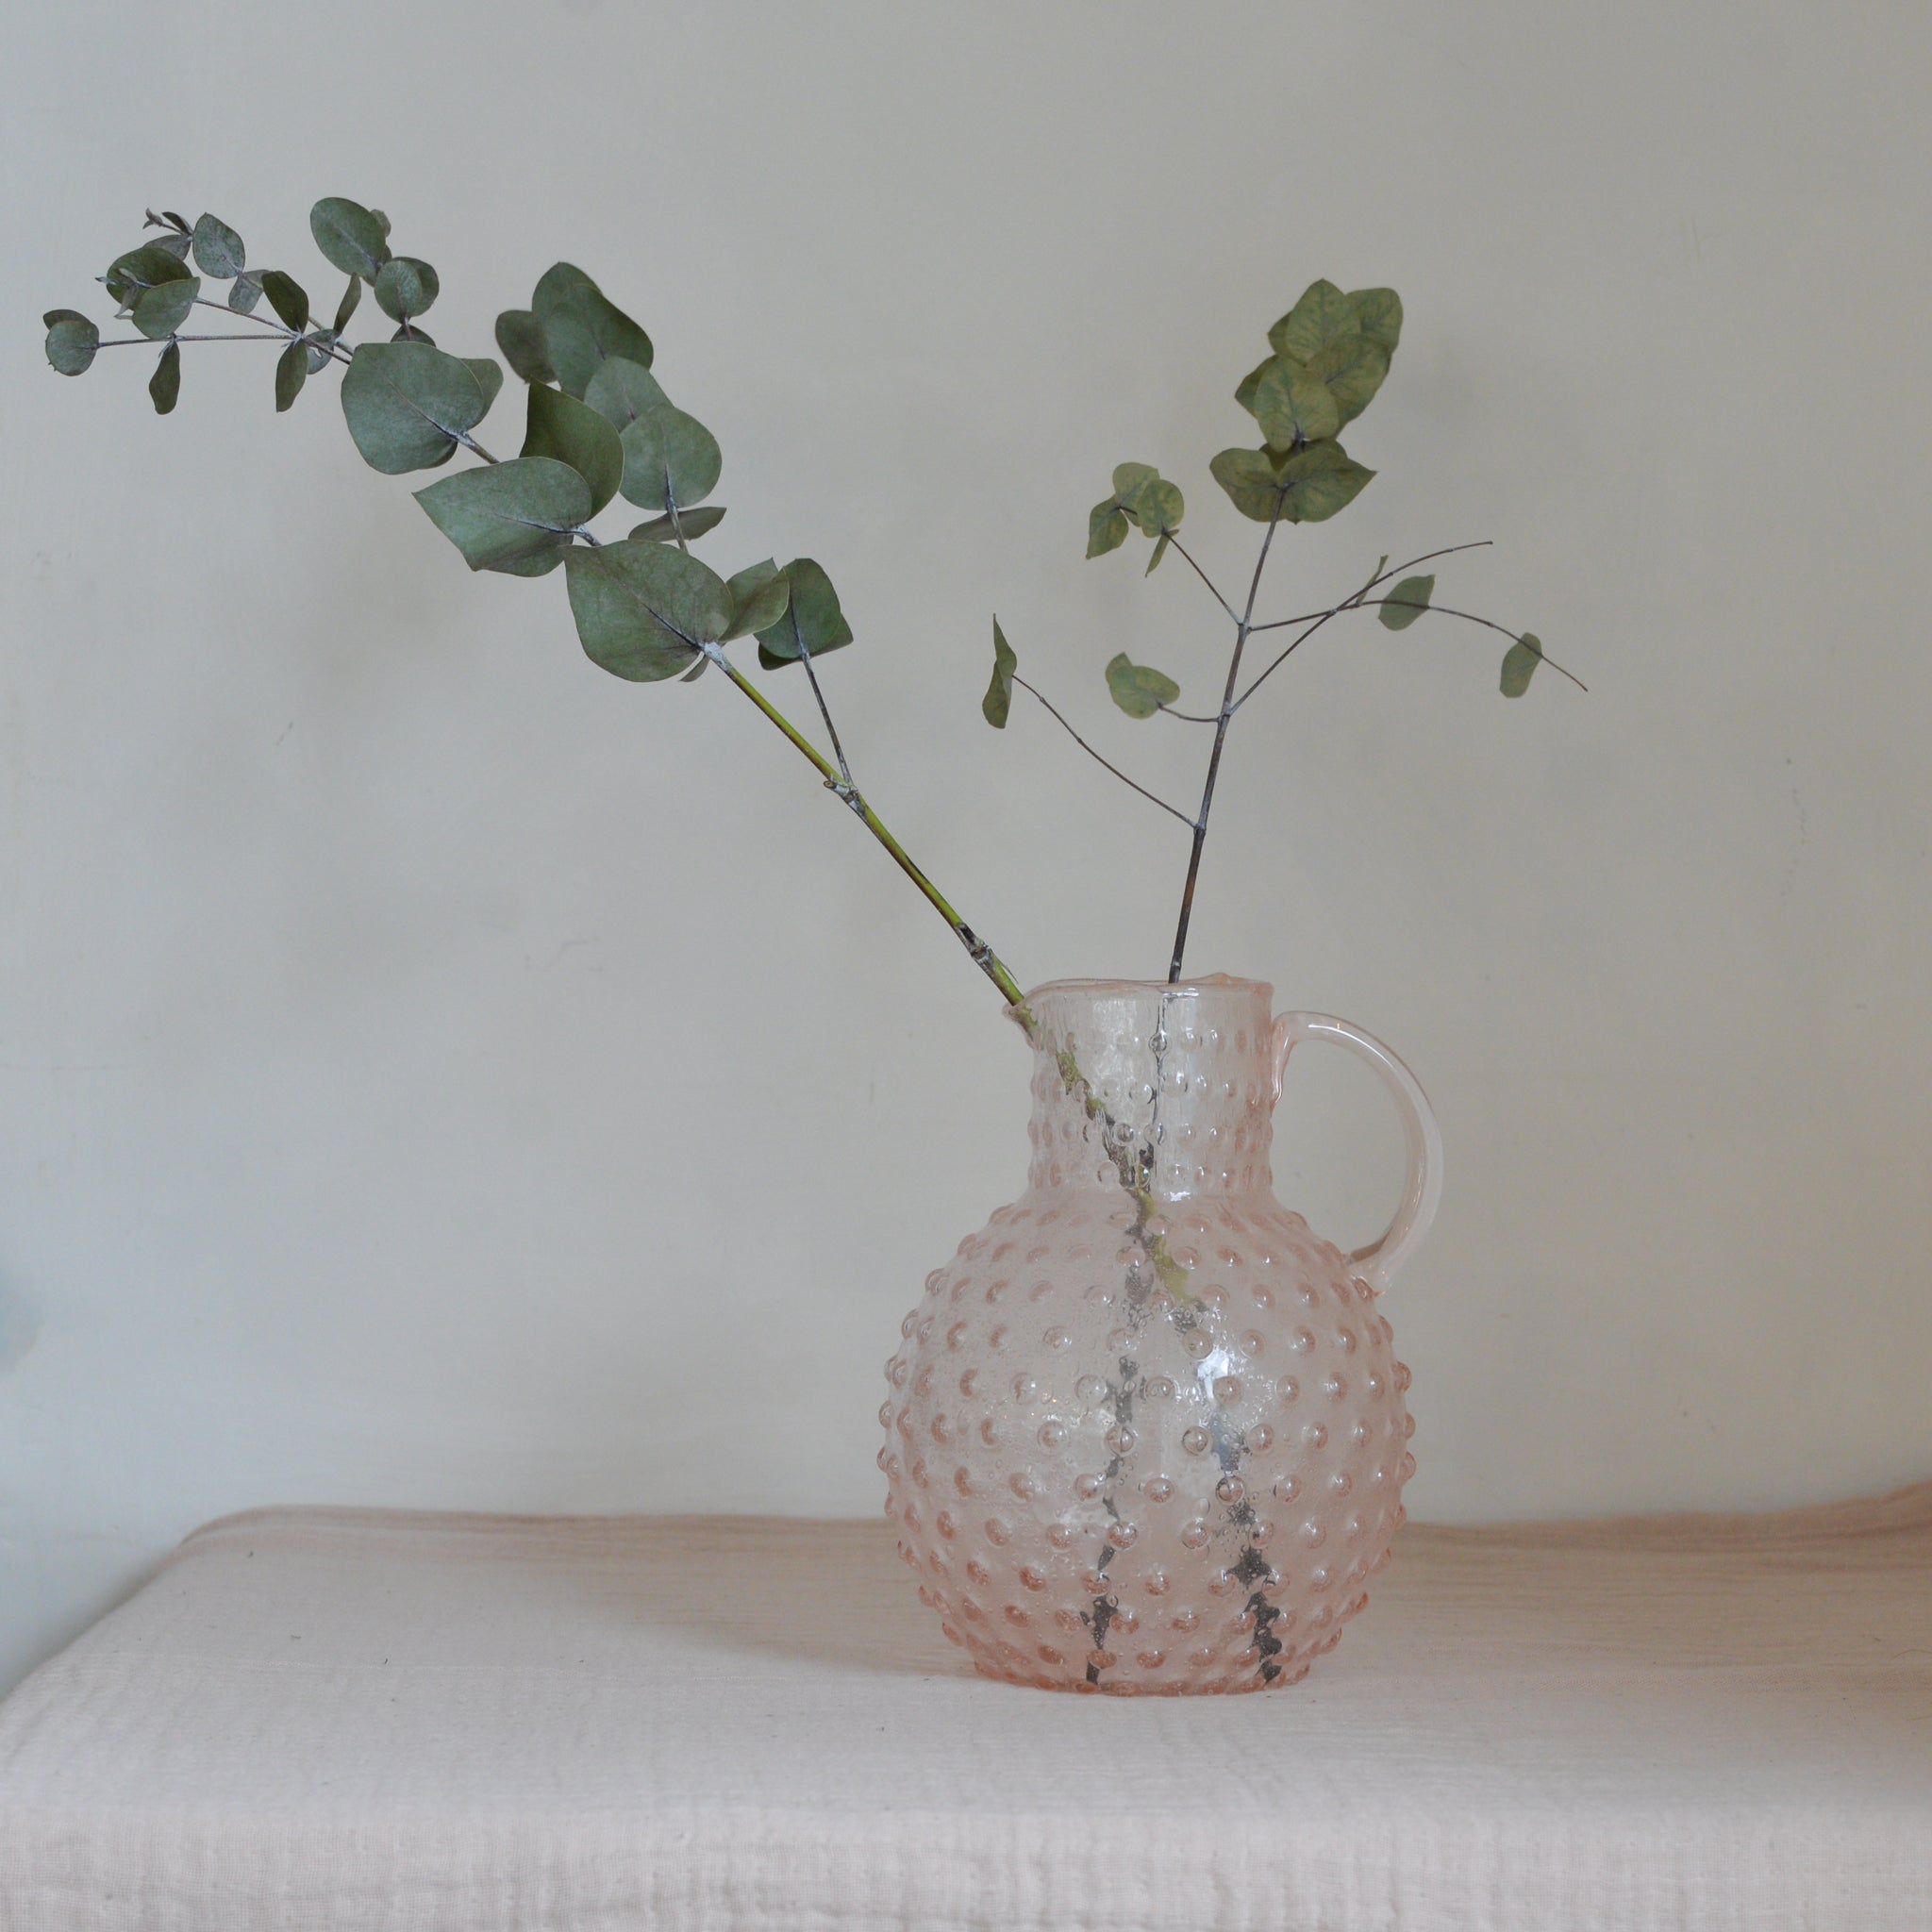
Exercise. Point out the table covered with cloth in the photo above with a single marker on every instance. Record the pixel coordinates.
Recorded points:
(357, 1719)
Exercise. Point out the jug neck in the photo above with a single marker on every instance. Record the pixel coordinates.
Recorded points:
(1146, 1085)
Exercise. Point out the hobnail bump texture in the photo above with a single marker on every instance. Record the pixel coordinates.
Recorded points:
(1146, 1432)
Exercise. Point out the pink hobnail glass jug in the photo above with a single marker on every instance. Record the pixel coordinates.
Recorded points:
(1146, 1431)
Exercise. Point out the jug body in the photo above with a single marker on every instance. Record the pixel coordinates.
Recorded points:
(1146, 1432)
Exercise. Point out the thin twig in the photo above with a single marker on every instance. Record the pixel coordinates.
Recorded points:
(1192, 717)
(1227, 711)
(1151, 797)
(160, 342)
(825, 709)
(280, 327)
(1204, 579)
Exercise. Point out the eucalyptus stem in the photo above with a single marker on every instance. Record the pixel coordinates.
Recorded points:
(1226, 714)
(977, 950)
(1054, 711)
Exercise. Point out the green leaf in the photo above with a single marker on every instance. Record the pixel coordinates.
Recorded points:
(164, 385)
(72, 340)
(1106, 527)
(1322, 315)
(581, 330)
(623, 390)
(1293, 406)
(381, 221)
(352, 297)
(521, 343)
(1159, 551)
(1138, 689)
(489, 373)
(1317, 482)
(1308, 485)
(539, 566)
(1406, 602)
(1379, 311)
(407, 404)
(504, 512)
(157, 312)
(812, 621)
(997, 705)
(1352, 370)
(292, 372)
(1157, 505)
(1128, 477)
(1251, 382)
(218, 249)
(572, 432)
(413, 332)
(760, 597)
(177, 245)
(406, 287)
(1519, 664)
(645, 610)
(692, 523)
(244, 293)
(287, 297)
(669, 458)
(146, 267)
(1248, 477)
(349, 235)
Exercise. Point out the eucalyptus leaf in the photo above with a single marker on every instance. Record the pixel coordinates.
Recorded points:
(561, 428)
(1248, 477)
(1295, 406)
(244, 291)
(320, 345)
(1322, 315)
(489, 373)
(539, 565)
(582, 330)
(521, 343)
(504, 513)
(1251, 382)
(146, 267)
(381, 221)
(1519, 664)
(413, 332)
(623, 390)
(287, 297)
(177, 245)
(292, 372)
(405, 288)
(351, 239)
(1165, 538)
(1351, 369)
(352, 298)
(1406, 602)
(997, 705)
(72, 340)
(1157, 505)
(691, 523)
(407, 404)
(1138, 690)
(1319, 481)
(157, 312)
(1128, 477)
(669, 459)
(645, 610)
(759, 596)
(164, 385)
(218, 249)
(1379, 311)
(1106, 527)
(812, 624)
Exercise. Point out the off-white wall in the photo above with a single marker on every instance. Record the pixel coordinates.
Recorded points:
(434, 1073)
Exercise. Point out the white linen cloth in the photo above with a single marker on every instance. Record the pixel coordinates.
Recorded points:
(343, 1720)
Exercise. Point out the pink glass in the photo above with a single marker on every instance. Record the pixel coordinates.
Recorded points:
(1146, 1432)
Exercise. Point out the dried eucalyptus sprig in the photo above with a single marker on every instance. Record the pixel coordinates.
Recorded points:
(599, 426)
(1330, 355)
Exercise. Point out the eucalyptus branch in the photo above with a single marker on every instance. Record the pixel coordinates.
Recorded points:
(1132, 784)
(976, 948)
(1189, 561)
(825, 711)
(1234, 672)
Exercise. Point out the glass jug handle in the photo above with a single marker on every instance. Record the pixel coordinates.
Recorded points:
(1377, 1263)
